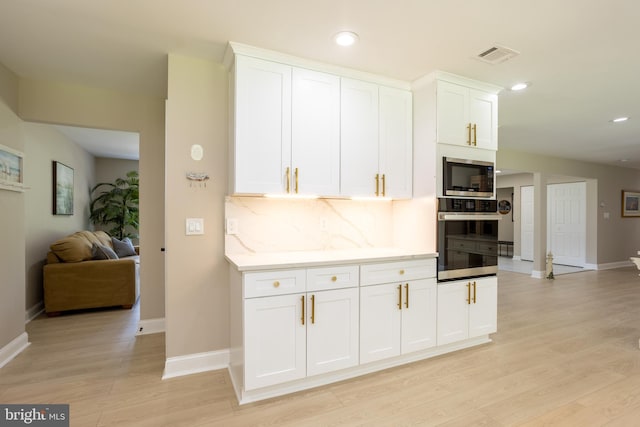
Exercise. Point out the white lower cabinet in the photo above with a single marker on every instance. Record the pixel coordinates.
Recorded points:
(288, 337)
(397, 319)
(467, 309)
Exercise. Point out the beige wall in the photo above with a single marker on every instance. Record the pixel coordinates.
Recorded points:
(197, 289)
(616, 238)
(43, 144)
(107, 170)
(60, 103)
(12, 225)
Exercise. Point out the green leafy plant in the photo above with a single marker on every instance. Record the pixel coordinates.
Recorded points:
(117, 204)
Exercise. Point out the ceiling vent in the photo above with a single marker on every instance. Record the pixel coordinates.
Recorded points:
(497, 55)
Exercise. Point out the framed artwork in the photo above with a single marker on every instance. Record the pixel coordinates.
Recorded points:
(630, 203)
(11, 173)
(62, 189)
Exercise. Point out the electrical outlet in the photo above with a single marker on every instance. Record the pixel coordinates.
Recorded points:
(232, 226)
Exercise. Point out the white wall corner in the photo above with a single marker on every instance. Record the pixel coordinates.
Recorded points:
(15, 347)
(195, 363)
(150, 326)
(33, 312)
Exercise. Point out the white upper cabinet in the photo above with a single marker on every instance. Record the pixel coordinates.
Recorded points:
(359, 137)
(262, 147)
(466, 116)
(376, 140)
(396, 142)
(315, 148)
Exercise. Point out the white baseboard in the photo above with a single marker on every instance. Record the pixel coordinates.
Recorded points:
(195, 363)
(33, 312)
(612, 265)
(150, 326)
(15, 347)
(517, 258)
(538, 274)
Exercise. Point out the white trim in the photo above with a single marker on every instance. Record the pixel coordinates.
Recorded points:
(150, 326)
(612, 265)
(234, 48)
(319, 380)
(455, 79)
(33, 312)
(590, 266)
(517, 258)
(195, 363)
(15, 347)
(538, 274)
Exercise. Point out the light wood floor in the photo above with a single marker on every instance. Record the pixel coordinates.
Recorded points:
(566, 354)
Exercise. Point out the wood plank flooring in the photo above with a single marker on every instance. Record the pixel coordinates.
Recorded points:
(566, 354)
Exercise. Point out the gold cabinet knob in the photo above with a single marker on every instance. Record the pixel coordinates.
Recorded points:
(334, 278)
(276, 284)
(401, 272)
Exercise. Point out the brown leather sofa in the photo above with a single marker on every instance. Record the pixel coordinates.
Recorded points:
(74, 280)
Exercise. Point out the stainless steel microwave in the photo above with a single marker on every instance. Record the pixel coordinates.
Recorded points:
(467, 178)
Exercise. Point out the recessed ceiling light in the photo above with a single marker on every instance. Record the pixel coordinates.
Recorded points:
(620, 119)
(519, 86)
(346, 38)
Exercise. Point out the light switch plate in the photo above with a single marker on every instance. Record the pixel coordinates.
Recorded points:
(232, 226)
(194, 226)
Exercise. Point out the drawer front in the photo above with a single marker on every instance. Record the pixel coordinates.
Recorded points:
(278, 282)
(323, 278)
(389, 272)
(462, 245)
(488, 248)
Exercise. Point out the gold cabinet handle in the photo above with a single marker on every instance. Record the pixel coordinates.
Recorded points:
(406, 289)
(469, 134)
(377, 185)
(288, 173)
(384, 185)
(296, 172)
(313, 309)
(334, 278)
(401, 272)
(276, 284)
(468, 293)
(475, 135)
(303, 304)
(399, 297)
(474, 292)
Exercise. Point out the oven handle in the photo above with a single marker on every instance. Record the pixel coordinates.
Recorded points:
(454, 216)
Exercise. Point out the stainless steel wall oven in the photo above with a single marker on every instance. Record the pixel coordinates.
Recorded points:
(467, 238)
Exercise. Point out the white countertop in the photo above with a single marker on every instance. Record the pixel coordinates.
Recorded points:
(297, 259)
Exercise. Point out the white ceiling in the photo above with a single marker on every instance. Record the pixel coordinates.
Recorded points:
(581, 56)
(104, 143)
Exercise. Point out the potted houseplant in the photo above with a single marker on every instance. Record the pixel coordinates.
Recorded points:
(116, 205)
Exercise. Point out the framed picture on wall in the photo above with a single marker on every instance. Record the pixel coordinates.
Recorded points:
(630, 203)
(62, 189)
(11, 173)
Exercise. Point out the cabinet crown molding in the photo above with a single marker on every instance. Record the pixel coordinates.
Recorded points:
(453, 78)
(234, 48)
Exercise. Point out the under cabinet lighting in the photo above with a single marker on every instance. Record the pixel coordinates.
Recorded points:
(370, 198)
(620, 119)
(291, 196)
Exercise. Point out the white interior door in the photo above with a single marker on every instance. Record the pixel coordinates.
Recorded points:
(526, 223)
(566, 223)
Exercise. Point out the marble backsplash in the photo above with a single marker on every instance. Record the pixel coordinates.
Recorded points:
(276, 225)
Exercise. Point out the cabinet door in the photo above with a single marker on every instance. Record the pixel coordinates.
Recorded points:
(358, 137)
(452, 114)
(262, 126)
(396, 146)
(483, 113)
(453, 312)
(332, 330)
(483, 311)
(419, 309)
(380, 317)
(275, 340)
(315, 150)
